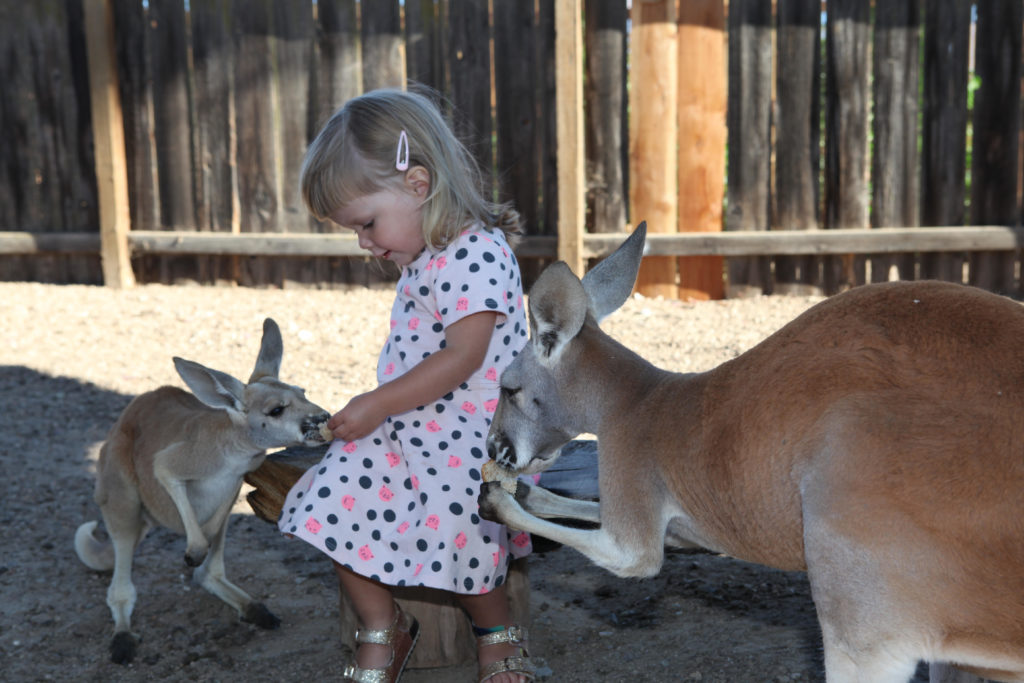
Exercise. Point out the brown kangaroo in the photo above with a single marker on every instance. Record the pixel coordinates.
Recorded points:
(176, 459)
(876, 441)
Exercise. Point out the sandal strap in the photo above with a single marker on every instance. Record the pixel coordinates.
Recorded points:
(356, 675)
(518, 665)
(512, 634)
(403, 624)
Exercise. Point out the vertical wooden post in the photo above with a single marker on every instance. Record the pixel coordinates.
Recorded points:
(569, 122)
(653, 188)
(750, 101)
(894, 159)
(944, 144)
(108, 141)
(702, 133)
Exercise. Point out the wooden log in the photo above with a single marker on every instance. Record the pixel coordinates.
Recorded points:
(703, 96)
(944, 128)
(996, 128)
(750, 68)
(846, 132)
(654, 87)
(894, 160)
(797, 139)
(108, 131)
(604, 89)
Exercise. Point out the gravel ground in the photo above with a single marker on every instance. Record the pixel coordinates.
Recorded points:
(71, 357)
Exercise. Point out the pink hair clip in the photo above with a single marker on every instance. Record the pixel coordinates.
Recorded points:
(402, 156)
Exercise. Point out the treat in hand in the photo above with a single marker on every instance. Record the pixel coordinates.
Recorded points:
(492, 471)
(325, 432)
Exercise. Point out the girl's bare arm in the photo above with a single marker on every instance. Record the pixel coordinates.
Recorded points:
(466, 343)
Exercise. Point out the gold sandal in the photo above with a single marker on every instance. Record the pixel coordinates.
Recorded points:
(521, 664)
(401, 636)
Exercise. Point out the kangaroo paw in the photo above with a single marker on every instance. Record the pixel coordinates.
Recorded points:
(122, 647)
(258, 614)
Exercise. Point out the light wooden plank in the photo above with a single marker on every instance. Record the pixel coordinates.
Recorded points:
(108, 140)
(569, 130)
(653, 97)
(745, 243)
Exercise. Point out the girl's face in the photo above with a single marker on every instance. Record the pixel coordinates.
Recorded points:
(389, 223)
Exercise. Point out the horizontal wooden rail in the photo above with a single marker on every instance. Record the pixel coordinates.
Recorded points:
(748, 243)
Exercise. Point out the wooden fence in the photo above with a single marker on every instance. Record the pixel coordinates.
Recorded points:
(847, 124)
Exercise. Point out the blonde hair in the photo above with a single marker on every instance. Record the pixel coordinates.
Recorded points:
(354, 154)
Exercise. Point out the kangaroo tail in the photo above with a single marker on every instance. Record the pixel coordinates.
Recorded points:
(94, 553)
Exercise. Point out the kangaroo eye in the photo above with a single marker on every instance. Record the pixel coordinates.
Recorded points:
(509, 392)
(276, 411)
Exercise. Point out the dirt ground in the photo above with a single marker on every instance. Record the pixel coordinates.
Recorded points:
(71, 358)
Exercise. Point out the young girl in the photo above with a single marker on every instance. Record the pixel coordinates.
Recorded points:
(394, 501)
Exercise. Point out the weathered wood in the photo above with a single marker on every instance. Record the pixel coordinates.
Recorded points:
(571, 219)
(137, 105)
(732, 243)
(750, 69)
(894, 160)
(339, 78)
(108, 146)
(944, 127)
(424, 43)
(516, 129)
(996, 128)
(293, 43)
(604, 93)
(653, 135)
(166, 43)
(383, 49)
(846, 131)
(797, 138)
(48, 167)
(469, 63)
(547, 62)
(703, 98)
(257, 158)
(214, 168)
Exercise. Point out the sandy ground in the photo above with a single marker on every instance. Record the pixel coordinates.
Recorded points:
(71, 358)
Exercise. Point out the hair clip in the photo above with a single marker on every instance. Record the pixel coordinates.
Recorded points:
(402, 156)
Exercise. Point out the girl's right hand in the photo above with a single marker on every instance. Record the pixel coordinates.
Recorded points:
(358, 418)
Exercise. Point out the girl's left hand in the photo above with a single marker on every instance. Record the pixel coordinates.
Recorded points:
(358, 418)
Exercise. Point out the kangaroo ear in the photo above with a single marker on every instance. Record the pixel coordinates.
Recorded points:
(214, 388)
(611, 281)
(268, 363)
(558, 309)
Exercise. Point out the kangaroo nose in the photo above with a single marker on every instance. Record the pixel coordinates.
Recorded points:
(501, 450)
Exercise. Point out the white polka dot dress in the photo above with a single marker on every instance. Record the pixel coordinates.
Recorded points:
(399, 506)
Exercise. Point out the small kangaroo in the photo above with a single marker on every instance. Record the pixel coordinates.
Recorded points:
(177, 459)
(876, 441)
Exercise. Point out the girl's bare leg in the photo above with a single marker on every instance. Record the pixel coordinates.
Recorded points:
(488, 610)
(375, 607)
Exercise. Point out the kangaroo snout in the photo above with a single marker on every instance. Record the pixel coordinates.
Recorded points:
(311, 427)
(501, 450)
